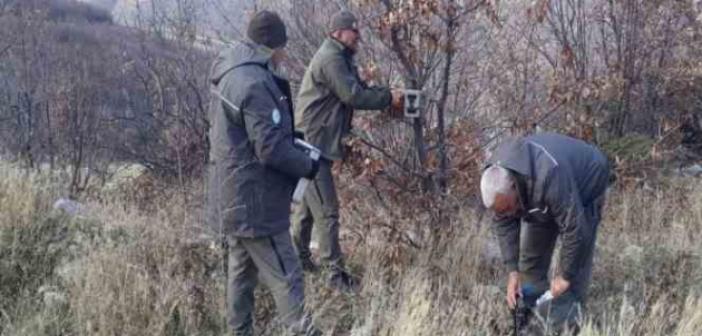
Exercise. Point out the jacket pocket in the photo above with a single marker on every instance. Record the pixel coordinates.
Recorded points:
(236, 214)
(254, 203)
(235, 211)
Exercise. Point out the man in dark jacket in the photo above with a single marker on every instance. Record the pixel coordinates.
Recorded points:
(541, 187)
(330, 92)
(253, 170)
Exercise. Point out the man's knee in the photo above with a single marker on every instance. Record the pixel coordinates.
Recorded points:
(242, 279)
(286, 273)
(534, 274)
(240, 288)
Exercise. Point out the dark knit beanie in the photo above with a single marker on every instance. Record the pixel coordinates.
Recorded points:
(266, 28)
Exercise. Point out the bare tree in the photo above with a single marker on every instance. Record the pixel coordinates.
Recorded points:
(422, 38)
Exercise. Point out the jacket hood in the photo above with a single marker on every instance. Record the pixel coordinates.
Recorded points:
(237, 54)
(331, 43)
(514, 154)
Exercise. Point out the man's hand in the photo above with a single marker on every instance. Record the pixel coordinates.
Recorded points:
(513, 289)
(558, 286)
(398, 97)
(368, 73)
(397, 107)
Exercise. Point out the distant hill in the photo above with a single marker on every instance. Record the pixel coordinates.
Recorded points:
(65, 10)
(71, 69)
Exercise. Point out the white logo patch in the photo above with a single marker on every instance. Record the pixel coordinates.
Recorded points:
(275, 115)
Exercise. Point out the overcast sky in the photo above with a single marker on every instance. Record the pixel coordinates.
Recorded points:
(218, 17)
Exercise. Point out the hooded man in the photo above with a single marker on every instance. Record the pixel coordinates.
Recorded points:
(253, 170)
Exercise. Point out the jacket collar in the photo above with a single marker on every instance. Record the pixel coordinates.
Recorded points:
(236, 54)
(513, 154)
(335, 45)
(518, 156)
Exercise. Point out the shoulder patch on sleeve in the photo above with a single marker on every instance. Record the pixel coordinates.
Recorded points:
(275, 116)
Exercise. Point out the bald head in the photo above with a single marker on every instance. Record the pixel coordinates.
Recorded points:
(498, 191)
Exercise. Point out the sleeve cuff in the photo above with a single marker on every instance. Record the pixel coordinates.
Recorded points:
(314, 170)
(511, 266)
(569, 275)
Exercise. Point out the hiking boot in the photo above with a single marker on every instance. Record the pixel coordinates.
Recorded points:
(343, 282)
(308, 265)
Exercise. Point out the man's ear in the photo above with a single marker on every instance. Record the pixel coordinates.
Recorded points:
(513, 181)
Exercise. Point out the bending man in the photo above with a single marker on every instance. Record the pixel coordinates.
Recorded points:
(541, 187)
(253, 170)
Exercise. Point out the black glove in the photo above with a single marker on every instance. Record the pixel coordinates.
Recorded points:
(299, 135)
(314, 171)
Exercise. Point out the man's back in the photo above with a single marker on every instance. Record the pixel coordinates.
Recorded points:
(254, 163)
(582, 160)
(536, 157)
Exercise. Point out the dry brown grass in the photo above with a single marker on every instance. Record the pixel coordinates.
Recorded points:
(116, 270)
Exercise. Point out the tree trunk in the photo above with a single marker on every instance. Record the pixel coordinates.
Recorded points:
(446, 77)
